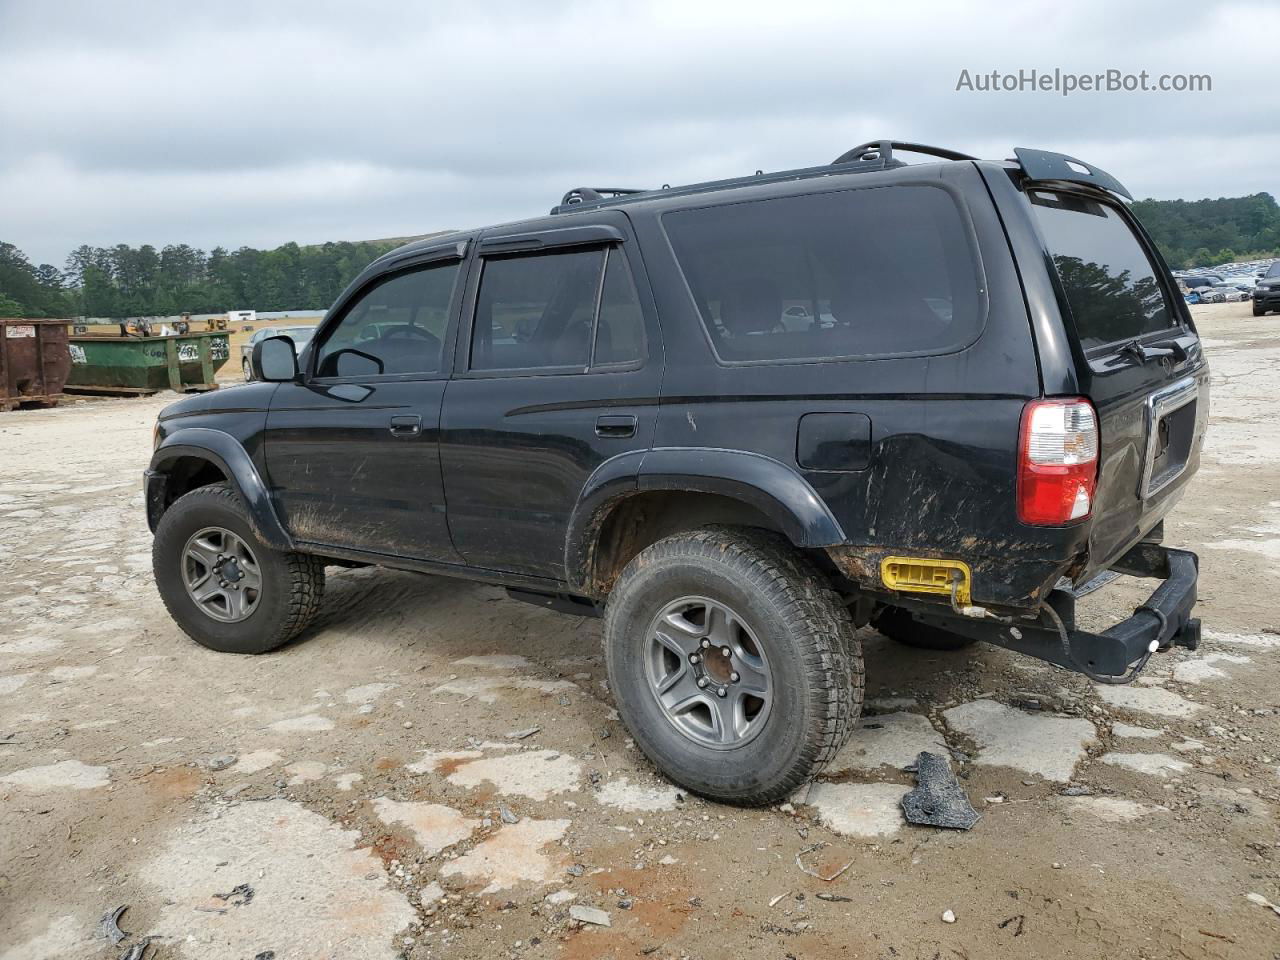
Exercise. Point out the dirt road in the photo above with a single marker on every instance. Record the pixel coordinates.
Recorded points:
(437, 771)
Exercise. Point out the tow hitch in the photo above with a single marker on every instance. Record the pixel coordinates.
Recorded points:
(1117, 654)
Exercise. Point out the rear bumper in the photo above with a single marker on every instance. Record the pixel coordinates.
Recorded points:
(1163, 621)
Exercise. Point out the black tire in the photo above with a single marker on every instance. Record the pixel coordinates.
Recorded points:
(247, 370)
(807, 636)
(897, 624)
(1259, 311)
(292, 583)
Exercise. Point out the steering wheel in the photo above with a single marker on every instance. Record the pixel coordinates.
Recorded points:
(408, 331)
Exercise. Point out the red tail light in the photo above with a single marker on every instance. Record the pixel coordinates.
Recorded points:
(1057, 462)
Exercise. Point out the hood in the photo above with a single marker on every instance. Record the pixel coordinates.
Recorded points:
(241, 397)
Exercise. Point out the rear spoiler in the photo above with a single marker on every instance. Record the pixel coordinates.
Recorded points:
(1043, 165)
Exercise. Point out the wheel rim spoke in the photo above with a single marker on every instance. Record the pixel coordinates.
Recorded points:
(708, 672)
(221, 574)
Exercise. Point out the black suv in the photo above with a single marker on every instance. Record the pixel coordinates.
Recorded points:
(1266, 295)
(738, 419)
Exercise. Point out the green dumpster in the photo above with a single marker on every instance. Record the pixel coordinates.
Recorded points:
(146, 364)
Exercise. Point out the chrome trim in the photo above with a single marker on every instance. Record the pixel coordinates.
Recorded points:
(1158, 406)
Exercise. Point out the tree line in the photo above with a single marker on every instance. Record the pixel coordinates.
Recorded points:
(1199, 233)
(124, 281)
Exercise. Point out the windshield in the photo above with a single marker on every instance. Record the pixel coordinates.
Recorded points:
(1274, 271)
(1109, 282)
(299, 335)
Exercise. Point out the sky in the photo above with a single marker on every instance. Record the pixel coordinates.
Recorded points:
(253, 124)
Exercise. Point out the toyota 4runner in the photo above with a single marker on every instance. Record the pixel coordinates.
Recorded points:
(739, 420)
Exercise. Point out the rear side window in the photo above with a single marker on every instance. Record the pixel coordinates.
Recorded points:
(1109, 281)
(567, 310)
(620, 330)
(857, 273)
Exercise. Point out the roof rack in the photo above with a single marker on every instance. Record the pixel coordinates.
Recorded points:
(866, 157)
(590, 194)
(882, 150)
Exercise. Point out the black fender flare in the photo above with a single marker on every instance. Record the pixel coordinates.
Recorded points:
(777, 490)
(227, 454)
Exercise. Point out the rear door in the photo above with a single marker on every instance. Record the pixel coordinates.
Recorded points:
(559, 367)
(1137, 358)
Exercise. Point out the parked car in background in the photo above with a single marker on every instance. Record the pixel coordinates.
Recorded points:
(1266, 295)
(1241, 282)
(1196, 281)
(1223, 293)
(301, 336)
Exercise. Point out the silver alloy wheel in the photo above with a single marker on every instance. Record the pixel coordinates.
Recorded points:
(708, 672)
(247, 369)
(221, 574)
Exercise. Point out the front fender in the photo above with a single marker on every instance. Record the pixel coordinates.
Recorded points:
(228, 455)
(770, 486)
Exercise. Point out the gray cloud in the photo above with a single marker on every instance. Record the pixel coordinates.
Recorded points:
(256, 124)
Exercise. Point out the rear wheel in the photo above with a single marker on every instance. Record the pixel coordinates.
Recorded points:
(897, 624)
(227, 590)
(733, 664)
(248, 370)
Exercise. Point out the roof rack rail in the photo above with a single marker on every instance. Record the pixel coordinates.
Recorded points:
(589, 194)
(867, 157)
(882, 150)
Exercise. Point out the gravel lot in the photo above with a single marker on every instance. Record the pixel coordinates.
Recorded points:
(374, 791)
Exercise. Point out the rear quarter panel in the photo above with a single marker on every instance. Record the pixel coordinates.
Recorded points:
(944, 429)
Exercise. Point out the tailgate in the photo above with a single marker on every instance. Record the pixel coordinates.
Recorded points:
(1138, 360)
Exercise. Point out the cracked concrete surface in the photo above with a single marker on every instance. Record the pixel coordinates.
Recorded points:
(313, 887)
(536, 774)
(888, 740)
(1047, 746)
(515, 856)
(434, 826)
(859, 809)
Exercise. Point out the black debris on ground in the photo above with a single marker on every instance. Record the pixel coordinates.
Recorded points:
(938, 799)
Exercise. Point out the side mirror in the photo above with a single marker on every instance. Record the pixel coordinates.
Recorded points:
(274, 360)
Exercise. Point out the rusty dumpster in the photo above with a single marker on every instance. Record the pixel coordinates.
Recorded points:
(34, 362)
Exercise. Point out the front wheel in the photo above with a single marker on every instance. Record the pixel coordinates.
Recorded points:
(226, 589)
(733, 664)
(1259, 311)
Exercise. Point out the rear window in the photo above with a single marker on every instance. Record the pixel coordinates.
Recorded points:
(1109, 282)
(856, 273)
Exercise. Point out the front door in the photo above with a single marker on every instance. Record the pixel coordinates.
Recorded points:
(353, 449)
(559, 370)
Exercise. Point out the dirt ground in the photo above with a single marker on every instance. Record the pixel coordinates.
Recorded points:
(374, 790)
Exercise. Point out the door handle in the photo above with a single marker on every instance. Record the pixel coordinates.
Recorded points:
(406, 426)
(616, 426)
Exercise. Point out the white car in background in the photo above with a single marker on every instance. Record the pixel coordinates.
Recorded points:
(301, 336)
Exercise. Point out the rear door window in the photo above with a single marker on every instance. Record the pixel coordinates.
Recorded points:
(1109, 282)
(536, 311)
(563, 311)
(856, 273)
